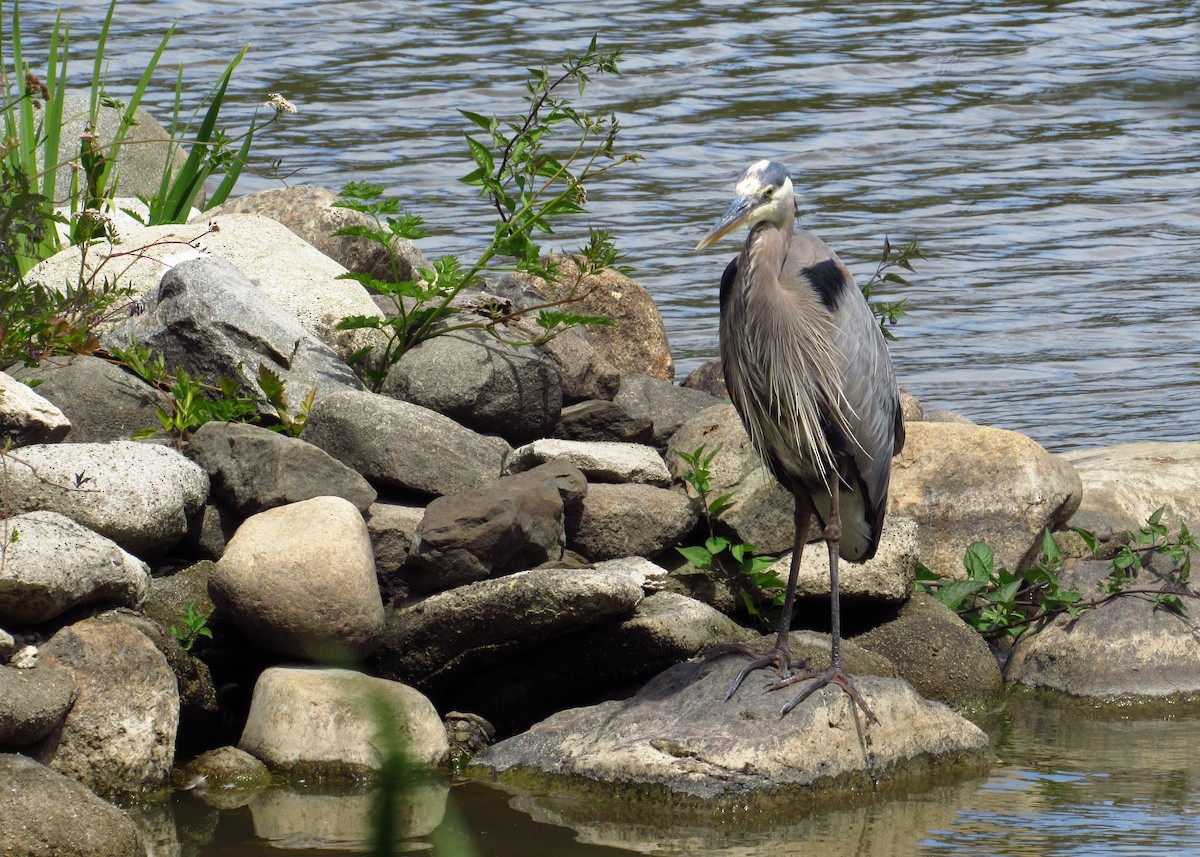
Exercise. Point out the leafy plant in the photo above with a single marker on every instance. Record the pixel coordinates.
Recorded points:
(999, 603)
(529, 188)
(191, 626)
(736, 561)
(890, 312)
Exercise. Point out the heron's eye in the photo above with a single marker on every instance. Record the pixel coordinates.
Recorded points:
(769, 192)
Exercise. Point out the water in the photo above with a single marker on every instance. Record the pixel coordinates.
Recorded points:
(1044, 154)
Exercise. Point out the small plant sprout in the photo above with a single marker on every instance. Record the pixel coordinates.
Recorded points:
(191, 626)
(890, 312)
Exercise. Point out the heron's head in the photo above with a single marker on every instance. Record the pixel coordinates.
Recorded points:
(762, 193)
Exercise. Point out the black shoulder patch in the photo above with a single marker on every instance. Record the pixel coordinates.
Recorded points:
(727, 280)
(830, 284)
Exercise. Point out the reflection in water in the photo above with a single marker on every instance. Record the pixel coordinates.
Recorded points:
(1043, 153)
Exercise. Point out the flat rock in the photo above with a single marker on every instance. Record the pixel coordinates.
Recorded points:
(1123, 485)
(513, 524)
(1126, 647)
(118, 739)
(598, 461)
(429, 641)
(886, 578)
(137, 494)
(629, 520)
(102, 400)
(45, 814)
(300, 580)
(402, 445)
(56, 564)
(324, 723)
(666, 405)
(253, 469)
(26, 417)
(601, 420)
(676, 741)
(965, 483)
(33, 702)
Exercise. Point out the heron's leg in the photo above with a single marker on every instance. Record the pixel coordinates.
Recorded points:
(780, 656)
(836, 674)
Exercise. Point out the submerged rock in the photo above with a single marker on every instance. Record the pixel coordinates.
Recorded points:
(676, 741)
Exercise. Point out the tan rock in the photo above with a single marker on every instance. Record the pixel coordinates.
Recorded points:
(1123, 485)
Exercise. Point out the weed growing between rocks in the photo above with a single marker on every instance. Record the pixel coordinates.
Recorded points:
(191, 626)
(1000, 603)
(530, 188)
(889, 313)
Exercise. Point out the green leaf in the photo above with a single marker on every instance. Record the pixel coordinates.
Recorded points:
(979, 561)
(1089, 538)
(716, 544)
(697, 556)
(482, 121)
(959, 595)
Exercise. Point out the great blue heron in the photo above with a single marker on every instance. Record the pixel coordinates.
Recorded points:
(808, 371)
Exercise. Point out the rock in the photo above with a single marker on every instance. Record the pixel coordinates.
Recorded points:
(143, 154)
(402, 445)
(44, 814)
(596, 662)
(344, 819)
(324, 724)
(942, 657)
(886, 578)
(300, 580)
(910, 407)
(26, 417)
(664, 404)
(515, 523)
(709, 378)
(1123, 485)
(253, 469)
(8, 645)
(1126, 647)
(139, 495)
(393, 530)
(941, 415)
(676, 742)
(636, 342)
(599, 462)
(599, 420)
(226, 768)
(482, 383)
(211, 530)
(761, 512)
(206, 317)
(630, 520)
(56, 564)
(32, 703)
(118, 739)
(102, 401)
(963, 483)
(428, 642)
(309, 212)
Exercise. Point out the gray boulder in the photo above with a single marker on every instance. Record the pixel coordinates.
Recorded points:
(761, 512)
(482, 383)
(598, 461)
(309, 212)
(936, 652)
(300, 580)
(402, 445)
(708, 377)
(676, 740)
(600, 420)
(208, 318)
(324, 723)
(1126, 647)
(44, 814)
(428, 642)
(118, 739)
(102, 401)
(139, 495)
(56, 564)
(666, 405)
(630, 520)
(393, 529)
(636, 341)
(253, 469)
(515, 523)
(32, 703)
(26, 417)
(963, 483)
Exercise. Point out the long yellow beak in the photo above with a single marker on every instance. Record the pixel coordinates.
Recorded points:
(736, 215)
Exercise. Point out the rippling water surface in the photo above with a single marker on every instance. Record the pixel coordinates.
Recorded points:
(1044, 154)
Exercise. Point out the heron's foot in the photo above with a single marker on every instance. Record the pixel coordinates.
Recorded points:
(833, 675)
(778, 657)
